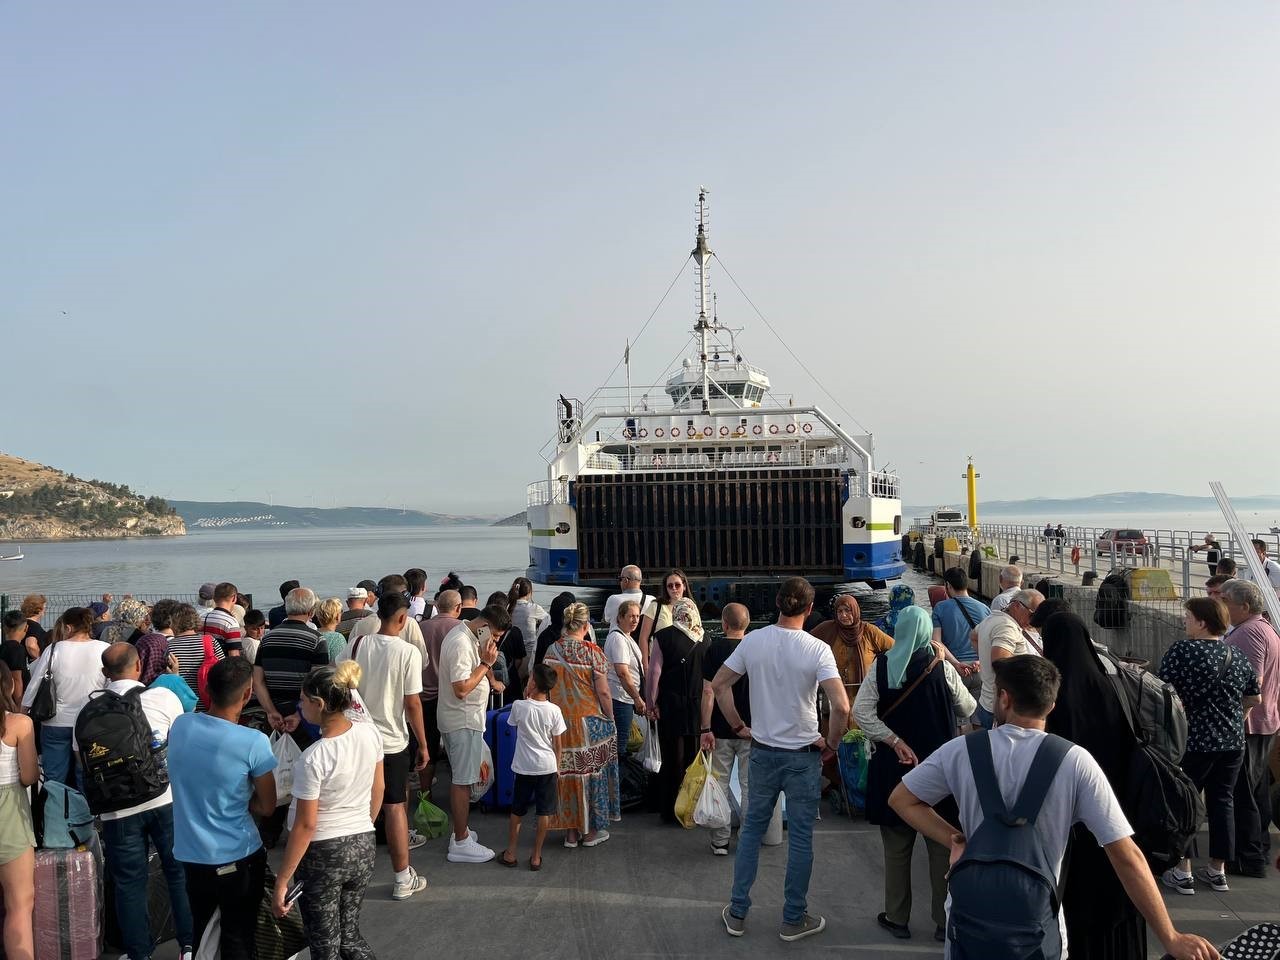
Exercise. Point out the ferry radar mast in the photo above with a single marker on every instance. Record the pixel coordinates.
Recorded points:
(702, 258)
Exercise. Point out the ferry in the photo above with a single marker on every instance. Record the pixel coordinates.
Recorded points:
(714, 473)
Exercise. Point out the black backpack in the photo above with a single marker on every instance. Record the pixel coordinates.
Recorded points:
(121, 769)
(1162, 804)
(1111, 610)
(1004, 892)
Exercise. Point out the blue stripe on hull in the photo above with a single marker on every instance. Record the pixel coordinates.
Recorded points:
(873, 561)
(554, 567)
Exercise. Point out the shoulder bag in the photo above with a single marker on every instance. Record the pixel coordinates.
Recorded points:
(44, 705)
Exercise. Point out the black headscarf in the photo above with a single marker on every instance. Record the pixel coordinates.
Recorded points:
(555, 623)
(1088, 711)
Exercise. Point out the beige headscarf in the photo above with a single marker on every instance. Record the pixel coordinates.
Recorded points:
(684, 614)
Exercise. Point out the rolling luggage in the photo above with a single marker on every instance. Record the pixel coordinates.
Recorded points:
(68, 913)
(501, 738)
(159, 908)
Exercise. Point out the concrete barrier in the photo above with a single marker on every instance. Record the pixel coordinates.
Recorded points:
(1154, 625)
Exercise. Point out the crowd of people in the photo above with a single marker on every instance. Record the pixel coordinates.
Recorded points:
(367, 700)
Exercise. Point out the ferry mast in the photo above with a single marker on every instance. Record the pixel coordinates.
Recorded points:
(702, 261)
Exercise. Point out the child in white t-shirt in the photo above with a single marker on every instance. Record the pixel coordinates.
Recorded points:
(539, 724)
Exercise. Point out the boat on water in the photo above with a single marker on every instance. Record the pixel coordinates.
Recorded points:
(712, 472)
(16, 556)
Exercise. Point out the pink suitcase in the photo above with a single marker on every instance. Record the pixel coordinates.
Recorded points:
(68, 914)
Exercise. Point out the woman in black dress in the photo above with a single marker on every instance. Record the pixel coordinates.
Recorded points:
(674, 693)
(1102, 923)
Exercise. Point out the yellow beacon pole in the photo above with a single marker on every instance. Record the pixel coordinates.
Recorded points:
(971, 477)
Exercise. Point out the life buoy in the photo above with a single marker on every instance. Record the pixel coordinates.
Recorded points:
(628, 433)
(772, 457)
(659, 462)
(658, 432)
(643, 433)
(773, 428)
(791, 428)
(1075, 556)
(757, 430)
(675, 431)
(807, 428)
(724, 431)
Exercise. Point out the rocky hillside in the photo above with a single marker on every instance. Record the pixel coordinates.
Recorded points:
(40, 503)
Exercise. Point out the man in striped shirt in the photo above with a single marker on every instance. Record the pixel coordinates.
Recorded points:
(220, 623)
(285, 656)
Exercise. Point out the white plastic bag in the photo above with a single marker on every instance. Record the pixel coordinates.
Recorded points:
(482, 786)
(651, 753)
(211, 942)
(286, 754)
(713, 808)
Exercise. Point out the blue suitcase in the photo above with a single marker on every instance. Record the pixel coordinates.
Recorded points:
(501, 738)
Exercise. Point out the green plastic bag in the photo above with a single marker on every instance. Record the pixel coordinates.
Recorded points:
(430, 820)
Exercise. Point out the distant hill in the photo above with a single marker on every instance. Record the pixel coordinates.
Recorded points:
(200, 515)
(520, 519)
(41, 503)
(1128, 502)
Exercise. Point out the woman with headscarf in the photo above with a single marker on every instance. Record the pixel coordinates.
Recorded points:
(555, 624)
(588, 783)
(912, 687)
(674, 692)
(901, 597)
(1102, 923)
(855, 643)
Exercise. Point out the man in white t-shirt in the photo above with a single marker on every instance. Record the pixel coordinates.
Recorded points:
(1010, 584)
(1002, 635)
(468, 652)
(1269, 566)
(629, 581)
(391, 679)
(126, 832)
(785, 667)
(1078, 793)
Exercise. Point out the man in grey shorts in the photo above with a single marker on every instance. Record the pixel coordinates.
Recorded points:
(466, 658)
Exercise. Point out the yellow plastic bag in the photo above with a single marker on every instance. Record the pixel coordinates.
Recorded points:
(635, 739)
(695, 778)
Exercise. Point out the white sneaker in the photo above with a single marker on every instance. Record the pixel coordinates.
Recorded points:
(416, 839)
(415, 884)
(468, 851)
(184, 955)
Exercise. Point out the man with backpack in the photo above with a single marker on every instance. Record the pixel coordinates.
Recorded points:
(1019, 791)
(133, 800)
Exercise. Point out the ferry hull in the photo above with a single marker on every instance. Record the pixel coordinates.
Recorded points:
(731, 530)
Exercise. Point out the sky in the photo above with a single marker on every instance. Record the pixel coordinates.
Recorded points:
(349, 254)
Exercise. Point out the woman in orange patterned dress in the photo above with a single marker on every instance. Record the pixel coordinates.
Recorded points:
(588, 788)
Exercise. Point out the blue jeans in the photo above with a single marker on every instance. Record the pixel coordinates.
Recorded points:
(799, 776)
(126, 855)
(984, 717)
(623, 714)
(56, 759)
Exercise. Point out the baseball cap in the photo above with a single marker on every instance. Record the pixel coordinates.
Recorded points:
(370, 587)
(206, 590)
(357, 593)
(98, 608)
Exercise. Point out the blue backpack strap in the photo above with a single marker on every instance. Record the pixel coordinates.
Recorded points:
(1044, 767)
(978, 746)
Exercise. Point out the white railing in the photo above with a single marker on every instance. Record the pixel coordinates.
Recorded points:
(547, 491)
(875, 485)
(654, 399)
(721, 460)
